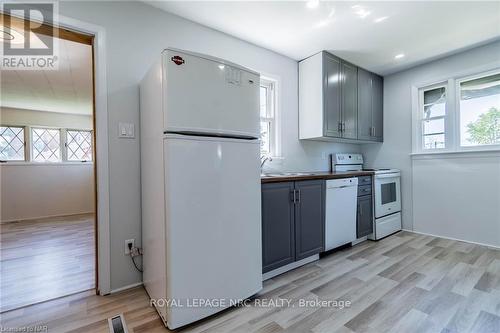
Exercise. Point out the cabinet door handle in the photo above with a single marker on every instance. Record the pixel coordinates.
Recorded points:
(340, 126)
(298, 195)
(373, 131)
(293, 196)
(343, 127)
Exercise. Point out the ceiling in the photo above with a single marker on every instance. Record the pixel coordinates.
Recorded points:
(66, 90)
(369, 34)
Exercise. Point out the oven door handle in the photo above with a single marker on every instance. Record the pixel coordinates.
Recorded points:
(387, 176)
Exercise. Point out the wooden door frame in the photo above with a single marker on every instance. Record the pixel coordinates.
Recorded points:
(94, 35)
(101, 162)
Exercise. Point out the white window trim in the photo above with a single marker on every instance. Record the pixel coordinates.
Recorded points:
(28, 146)
(452, 118)
(273, 97)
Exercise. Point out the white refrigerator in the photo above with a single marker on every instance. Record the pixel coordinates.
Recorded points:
(200, 178)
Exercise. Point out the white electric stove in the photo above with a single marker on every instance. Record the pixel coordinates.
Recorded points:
(387, 193)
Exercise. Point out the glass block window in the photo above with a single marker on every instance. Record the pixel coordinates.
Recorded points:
(12, 143)
(46, 145)
(79, 145)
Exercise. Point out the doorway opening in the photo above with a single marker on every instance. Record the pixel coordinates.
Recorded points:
(48, 217)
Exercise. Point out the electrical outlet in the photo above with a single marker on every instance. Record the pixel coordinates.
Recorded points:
(129, 242)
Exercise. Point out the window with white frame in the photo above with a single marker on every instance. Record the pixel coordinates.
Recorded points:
(46, 145)
(267, 117)
(78, 145)
(466, 119)
(12, 143)
(433, 113)
(480, 111)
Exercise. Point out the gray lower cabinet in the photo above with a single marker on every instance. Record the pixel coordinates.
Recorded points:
(309, 218)
(364, 219)
(370, 106)
(365, 216)
(292, 222)
(278, 225)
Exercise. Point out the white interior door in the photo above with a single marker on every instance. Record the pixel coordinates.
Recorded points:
(210, 96)
(213, 223)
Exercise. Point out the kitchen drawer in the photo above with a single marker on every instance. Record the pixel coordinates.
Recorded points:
(364, 190)
(364, 180)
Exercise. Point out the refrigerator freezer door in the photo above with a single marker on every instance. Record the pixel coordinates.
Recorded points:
(213, 224)
(204, 95)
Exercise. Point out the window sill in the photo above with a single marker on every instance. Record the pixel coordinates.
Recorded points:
(456, 153)
(20, 163)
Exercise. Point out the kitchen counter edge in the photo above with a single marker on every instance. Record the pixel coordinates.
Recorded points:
(315, 175)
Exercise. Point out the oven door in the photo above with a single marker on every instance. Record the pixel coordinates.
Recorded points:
(387, 194)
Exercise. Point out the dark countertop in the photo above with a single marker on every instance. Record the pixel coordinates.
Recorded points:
(313, 175)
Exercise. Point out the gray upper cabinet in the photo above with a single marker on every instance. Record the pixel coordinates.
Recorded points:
(339, 101)
(309, 218)
(370, 106)
(349, 75)
(378, 108)
(278, 225)
(332, 97)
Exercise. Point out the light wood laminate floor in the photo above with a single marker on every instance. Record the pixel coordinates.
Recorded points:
(404, 283)
(46, 258)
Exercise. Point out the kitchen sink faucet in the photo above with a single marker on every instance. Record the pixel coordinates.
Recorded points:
(263, 160)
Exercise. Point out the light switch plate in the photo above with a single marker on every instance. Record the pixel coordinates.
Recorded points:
(126, 130)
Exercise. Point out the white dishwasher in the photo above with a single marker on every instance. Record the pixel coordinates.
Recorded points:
(341, 205)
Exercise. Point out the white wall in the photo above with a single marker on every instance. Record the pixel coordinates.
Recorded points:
(33, 190)
(458, 196)
(29, 190)
(135, 35)
(441, 175)
(12, 116)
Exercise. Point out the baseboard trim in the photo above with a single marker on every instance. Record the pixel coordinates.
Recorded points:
(289, 267)
(130, 286)
(43, 217)
(451, 238)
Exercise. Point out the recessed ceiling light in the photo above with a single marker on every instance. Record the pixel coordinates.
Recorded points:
(222, 67)
(380, 19)
(4, 35)
(399, 56)
(9, 35)
(311, 4)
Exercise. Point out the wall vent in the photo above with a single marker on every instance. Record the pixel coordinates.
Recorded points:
(117, 324)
